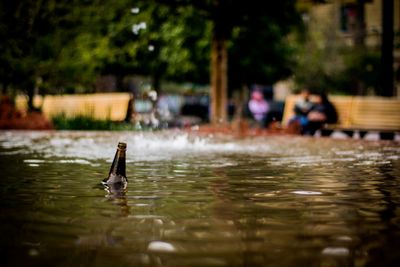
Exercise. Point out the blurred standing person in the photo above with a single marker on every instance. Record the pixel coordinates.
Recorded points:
(258, 108)
(130, 109)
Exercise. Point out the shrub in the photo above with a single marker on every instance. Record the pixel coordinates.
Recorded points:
(84, 122)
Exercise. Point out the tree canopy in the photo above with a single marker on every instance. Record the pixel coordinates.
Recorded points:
(55, 44)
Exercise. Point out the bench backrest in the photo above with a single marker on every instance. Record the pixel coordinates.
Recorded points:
(111, 106)
(376, 113)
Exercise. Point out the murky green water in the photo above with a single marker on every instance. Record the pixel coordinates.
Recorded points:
(195, 201)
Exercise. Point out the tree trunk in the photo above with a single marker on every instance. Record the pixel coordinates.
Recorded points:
(30, 91)
(219, 62)
(219, 77)
(359, 42)
(4, 88)
(359, 34)
(387, 76)
(156, 82)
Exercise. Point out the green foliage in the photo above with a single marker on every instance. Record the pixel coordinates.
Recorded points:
(34, 33)
(58, 43)
(361, 74)
(61, 46)
(186, 49)
(61, 122)
(260, 53)
(348, 71)
(326, 62)
(174, 44)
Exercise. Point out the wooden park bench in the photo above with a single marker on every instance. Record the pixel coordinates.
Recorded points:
(101, 106)
(358, 114)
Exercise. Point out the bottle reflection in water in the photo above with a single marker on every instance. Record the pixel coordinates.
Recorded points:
(116, 182)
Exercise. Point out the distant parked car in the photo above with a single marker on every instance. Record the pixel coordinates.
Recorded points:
(196, 105)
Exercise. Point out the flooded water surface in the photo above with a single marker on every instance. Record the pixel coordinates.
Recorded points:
(198, 201)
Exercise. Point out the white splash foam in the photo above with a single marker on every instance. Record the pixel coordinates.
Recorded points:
(336, 251)
(77, 161)
(160, 246)
(88, 147)
(141, 146)
(34, 161)
(33, 165)
(308, 193)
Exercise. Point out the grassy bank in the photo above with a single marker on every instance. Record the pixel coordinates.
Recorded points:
(80, 122)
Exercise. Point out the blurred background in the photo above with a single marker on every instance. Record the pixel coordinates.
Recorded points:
(164, 63)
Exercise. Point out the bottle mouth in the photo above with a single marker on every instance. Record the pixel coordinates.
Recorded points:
(122, 145)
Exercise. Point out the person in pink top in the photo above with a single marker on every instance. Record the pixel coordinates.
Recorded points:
(258, 107)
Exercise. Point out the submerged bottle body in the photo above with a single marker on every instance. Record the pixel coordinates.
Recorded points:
(117, 174)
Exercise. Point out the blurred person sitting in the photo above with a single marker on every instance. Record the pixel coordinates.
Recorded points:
(303, 106)
(301, 109)
(322, 112)
(258, 108)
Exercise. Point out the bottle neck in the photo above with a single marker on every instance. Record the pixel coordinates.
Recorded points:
(118, 165)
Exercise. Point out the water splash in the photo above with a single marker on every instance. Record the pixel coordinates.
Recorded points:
(160, 246)
(87, 147)
(100, 145)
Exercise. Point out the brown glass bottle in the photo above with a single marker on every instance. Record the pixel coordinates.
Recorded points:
(117, 174)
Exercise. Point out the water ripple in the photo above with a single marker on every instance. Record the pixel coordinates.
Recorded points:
(199, 201)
